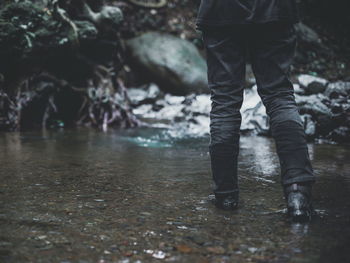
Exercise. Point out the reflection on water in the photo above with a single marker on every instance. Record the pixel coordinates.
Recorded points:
(300, 229)
(152, 142)
(142, 195)
(256, 151)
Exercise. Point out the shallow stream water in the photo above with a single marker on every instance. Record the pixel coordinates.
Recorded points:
(141, 196)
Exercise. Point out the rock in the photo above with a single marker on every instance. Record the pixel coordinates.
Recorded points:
(253, 112)
(341, 112)
(305, 80)
(340, 134)
(199, 104)
(216, 250)
(307, 34)
(298, 89)
(314, 106)
(189, 115)
(338, 89)
(168, 109)
(311, 84)
(148, 95)
(314, 88)
(110, 15)
(339, 105)
(173, 63)
(86, 30)
(309, 125)
(107, 18)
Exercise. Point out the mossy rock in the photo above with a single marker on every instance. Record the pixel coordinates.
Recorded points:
(173, 63)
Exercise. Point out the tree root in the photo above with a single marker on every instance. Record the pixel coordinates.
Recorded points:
(38, 90)
(102, 105)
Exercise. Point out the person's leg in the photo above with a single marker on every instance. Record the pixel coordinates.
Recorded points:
(226, 54)
(272, 49)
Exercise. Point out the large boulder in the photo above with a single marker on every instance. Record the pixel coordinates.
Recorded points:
(171, 62)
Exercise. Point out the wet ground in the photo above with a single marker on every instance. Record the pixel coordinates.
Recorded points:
(138, 196)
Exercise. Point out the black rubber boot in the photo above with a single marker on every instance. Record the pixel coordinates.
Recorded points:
(298, 197)
(227, 201)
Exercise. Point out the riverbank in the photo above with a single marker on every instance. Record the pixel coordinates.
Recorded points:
(324, 109)
(81, 73)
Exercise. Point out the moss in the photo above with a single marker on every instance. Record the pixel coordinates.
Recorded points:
(25, 14)
(28, 31)
(19, 23)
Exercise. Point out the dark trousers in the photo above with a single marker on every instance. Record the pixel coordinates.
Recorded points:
(271, 48)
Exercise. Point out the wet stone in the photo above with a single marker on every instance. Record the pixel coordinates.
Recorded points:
(309, 125)
(144, 95)
(311, 84)
(338, 89)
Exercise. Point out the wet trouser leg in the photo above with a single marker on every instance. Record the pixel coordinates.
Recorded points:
(226, 57)
(272, 48)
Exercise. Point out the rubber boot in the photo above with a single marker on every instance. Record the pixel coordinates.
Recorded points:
(298, 198)
(227, 201)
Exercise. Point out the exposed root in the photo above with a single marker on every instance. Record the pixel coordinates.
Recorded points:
(37, 88)
(101, 105)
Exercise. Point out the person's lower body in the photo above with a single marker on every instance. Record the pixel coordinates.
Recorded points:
(271, 49)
